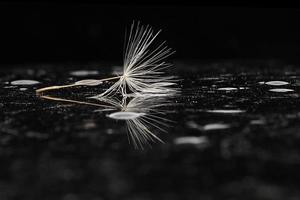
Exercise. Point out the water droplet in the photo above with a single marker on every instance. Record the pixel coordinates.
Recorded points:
(227, 89)
(281, 90)
(216, 126)
(207, 127)
(89, 82)
(226, 111)
(257, 122)
(201, 141)
(8, 87)
(110, 131)
(209, 78)
(276, 83)
(194, 125)
(24, 82)
(125, 115)
(89, 125)
(84, 72)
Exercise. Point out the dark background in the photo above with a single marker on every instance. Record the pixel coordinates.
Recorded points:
(85, 31)
(52, 150)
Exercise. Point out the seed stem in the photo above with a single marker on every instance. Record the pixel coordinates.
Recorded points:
(56, 87)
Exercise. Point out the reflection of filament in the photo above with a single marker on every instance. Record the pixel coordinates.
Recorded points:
(139, 128)
(73, 101)
(142, 115)
(139, 132)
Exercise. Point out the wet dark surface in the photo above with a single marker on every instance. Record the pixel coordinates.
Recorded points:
(232, 137)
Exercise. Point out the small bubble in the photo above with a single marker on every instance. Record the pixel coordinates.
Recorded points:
(90, 125)
(257, 122)
(227, 89)
(24, 82)
(125, 115)
(207, 127)
(84, 73)
(243, 88)
(276, 83)
(110, 131)
(226, 111)
(281, 90)
(8, 87)
(216, 126)
(193, 140)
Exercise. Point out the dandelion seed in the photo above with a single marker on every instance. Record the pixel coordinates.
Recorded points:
(143, 67)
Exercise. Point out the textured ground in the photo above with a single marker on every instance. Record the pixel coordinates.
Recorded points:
(235, 135)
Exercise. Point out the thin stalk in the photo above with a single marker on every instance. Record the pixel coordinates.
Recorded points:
(56, 87)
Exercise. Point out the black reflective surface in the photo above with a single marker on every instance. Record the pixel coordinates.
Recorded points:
(233, 132)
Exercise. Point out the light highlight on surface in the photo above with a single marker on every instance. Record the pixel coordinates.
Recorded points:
(276, 83)
(84, 73)
(24, 82)
(226, 111)
(281, 90)
(125, 115)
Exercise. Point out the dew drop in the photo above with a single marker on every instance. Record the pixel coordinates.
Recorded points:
(226, 111)
(276, 83)
(125, 115)
(227, 89)
(201, 141)
(110, 131)
(84, 72)
(281, 90)
(24, 82)
(9, 87)
(194, 125)
(257, 122)
(209, 127)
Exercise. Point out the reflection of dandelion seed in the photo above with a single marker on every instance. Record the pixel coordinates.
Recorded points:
(143, 116)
